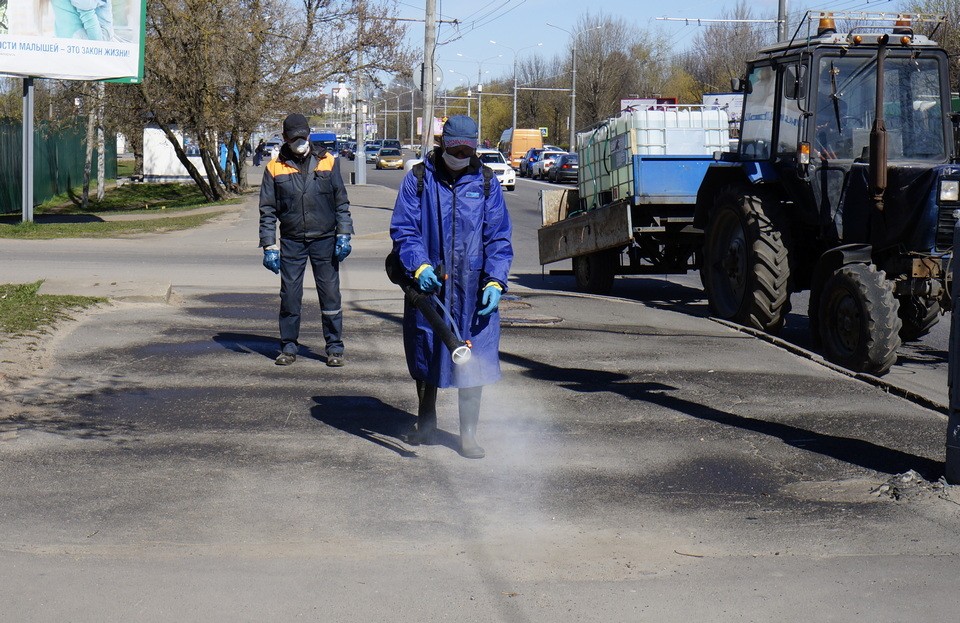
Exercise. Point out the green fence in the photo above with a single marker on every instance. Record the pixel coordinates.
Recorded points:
(58, 157)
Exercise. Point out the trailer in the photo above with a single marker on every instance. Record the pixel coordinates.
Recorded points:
(634, 206)
(845, 182)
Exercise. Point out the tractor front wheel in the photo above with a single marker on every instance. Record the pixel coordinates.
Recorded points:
(858, 319)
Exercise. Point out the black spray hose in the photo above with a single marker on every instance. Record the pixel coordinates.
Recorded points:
(447, 332)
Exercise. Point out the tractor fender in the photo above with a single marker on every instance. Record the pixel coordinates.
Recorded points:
(829, 262)
(723, 174)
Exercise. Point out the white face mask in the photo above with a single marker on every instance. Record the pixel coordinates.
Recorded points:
(300, 146)
(455, 164)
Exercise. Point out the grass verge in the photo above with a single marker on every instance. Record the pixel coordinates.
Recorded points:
(132, 199)
(102, 229)
(23, 311)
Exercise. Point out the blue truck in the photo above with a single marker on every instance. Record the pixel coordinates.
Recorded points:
(845, 183)
(326, 140)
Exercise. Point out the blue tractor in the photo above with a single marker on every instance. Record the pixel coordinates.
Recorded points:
(845, 183)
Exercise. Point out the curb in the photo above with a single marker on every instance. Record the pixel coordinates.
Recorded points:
(128, 291)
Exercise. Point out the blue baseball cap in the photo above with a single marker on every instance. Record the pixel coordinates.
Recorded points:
(460, 130)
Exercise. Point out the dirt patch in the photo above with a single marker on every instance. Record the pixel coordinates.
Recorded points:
(25, 360)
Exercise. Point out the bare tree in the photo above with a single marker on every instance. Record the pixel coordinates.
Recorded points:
(721, 50)
(615, 59)
(946, 33)
(217, 69)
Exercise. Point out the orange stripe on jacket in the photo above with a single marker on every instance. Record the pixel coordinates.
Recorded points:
(279, 167)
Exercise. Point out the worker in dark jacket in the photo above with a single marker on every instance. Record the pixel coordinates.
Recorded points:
(302, 188)
(457, 221)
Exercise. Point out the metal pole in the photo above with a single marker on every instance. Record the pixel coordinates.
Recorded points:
(479, 108)
(573, 101)
(27, 190)
(952, 466)
(513, 132)
(429, 50)
(782, 21)
(412, 106)
(397, 135)
(360, 158)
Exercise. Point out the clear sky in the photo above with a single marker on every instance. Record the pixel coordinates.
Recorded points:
(522, 23)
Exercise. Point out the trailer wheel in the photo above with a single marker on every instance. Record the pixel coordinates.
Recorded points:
(919, 315)
(745, 269)
(594, 272)
(858, 319)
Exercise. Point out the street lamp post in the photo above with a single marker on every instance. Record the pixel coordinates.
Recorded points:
(467, 79)
(573, 83)
(479, 63)
(513, 128)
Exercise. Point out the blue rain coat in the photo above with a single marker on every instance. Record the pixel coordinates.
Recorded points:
(470, 236)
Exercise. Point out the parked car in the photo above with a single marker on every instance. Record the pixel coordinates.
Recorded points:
(564, 169)
(541, 166)
(371, 148)
(496, 161)
(527, 160)
(389, 158)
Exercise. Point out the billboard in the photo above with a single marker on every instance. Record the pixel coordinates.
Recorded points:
(72, 39)
(730, 102)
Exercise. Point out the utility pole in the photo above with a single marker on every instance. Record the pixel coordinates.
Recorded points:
(574, 36)
(513, 128)
(412, 106)
(782, 21)
(27, 191)
(360, 159)
(429, 50)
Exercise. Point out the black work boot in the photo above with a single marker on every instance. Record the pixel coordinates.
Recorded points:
(469, 399)
(426, 415)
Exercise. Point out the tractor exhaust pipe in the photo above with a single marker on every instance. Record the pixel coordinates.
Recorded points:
(878, 134)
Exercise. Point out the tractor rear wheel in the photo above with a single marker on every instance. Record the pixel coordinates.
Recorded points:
(745, 269)
(594, 272)
(858, 319)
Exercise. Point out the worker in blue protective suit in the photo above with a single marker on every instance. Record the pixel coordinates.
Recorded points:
(453, 239)
(303, 190)
(83, 19)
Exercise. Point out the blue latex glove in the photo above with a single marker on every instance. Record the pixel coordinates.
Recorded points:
(427, 281)
(271, 260)
(491, 300)
(343, 247)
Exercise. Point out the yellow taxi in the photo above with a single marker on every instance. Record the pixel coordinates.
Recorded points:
(389, 158)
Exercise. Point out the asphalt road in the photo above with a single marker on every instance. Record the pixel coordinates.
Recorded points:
(642, 464)
(921, 367)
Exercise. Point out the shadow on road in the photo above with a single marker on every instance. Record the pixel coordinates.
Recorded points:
(849, 450)
(371, 419)
(269, 347)
(655, 292)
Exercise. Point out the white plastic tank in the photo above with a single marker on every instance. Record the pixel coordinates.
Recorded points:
(606, 152)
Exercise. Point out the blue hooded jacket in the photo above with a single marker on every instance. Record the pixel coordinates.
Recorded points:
(475, 250)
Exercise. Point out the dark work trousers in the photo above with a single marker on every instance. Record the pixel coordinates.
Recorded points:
(326, 273)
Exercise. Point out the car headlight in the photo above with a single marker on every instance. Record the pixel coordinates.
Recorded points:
(950, 190)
